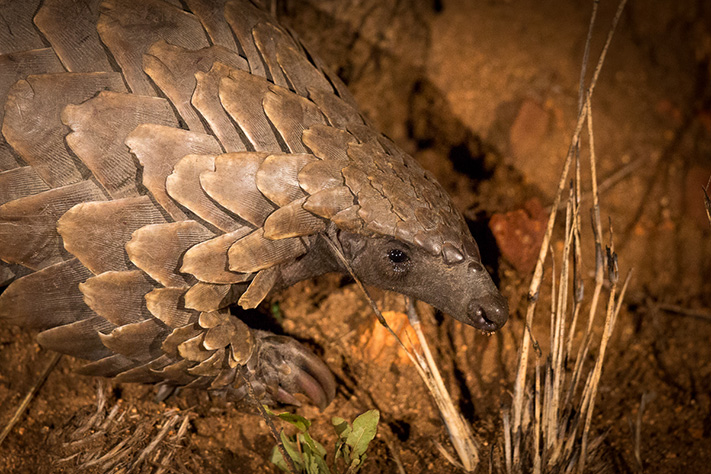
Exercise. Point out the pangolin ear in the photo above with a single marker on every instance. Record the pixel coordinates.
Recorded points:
(352, 245)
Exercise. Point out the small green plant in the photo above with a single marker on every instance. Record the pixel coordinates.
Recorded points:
(309, 456)
(276, 312)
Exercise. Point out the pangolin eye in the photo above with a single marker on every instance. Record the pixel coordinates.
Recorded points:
(397, 256)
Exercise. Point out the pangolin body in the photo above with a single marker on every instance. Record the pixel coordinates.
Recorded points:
(163, 161)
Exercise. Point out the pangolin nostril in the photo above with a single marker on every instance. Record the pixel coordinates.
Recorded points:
(481, 314)
(488, 313)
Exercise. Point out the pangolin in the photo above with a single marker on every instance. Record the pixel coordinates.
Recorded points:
(164, 163)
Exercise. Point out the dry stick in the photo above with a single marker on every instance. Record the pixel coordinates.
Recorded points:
(447, 455)
(167, 426)
(111, 455)
(30, 395)
(459, 431)
(395, 455)
(586, 55)
(95, 418)
(638, 432)
(464, 440)
(557, 346)
(599, 259)
(538, 272)
(613, 308)
(578, 282)
(557, 342)
(507, 441)
(707, 200)
(175, 439)
(267, 420)
(610, 181)
(693, 313)
(537, 423)
(112, 414)
(548, 392)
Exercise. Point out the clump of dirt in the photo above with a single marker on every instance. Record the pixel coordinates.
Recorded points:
(485, 96)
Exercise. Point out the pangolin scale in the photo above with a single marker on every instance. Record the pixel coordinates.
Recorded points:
(163, 163)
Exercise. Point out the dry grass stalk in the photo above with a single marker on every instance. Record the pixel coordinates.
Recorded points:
(682, 311)
(460, 431)
(118, 439)
(559, 441)
(646, 396)
(267, 419)
(707, 200)
(30, 395)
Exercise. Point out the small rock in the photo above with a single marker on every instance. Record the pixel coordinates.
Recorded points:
(519, 234)
(378, 345)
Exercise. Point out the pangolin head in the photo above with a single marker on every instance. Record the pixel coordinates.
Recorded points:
(452, 281)
(399, 229)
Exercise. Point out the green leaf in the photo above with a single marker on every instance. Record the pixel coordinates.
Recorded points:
(364, 429)
(315, 446)
(342, 427)
(276, 312)
(339, 450)
(310, 465)
(292, 450)
(297, 420)
(314, 455)
(277, 459)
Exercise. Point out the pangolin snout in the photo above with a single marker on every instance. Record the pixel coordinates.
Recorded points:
(488, 313)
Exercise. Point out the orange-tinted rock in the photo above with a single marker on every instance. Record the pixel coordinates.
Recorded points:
(378, 345)
(519, 234)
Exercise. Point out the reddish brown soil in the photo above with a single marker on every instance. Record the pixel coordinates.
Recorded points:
(485, 95)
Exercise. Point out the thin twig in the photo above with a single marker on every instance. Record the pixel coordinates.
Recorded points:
(267, 420)
(30, 395)
(537, 427)
(167, 426)
(613, 309)
(707, 200)
(586, 54)
(395, 455)
(609, 182)
(599, 260)
(459, 430)
(693, 313)
(638, 431)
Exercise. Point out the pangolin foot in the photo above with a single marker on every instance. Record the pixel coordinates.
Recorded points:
(282, 367)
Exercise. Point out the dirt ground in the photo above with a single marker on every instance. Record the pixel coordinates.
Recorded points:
(485, 95)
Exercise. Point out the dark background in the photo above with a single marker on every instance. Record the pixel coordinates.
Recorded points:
(484, 94)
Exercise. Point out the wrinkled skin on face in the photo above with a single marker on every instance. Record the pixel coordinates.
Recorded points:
(463, 290)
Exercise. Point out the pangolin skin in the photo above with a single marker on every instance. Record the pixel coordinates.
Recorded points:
(162, 166)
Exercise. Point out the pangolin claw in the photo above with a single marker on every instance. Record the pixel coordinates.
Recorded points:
(283, 367)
